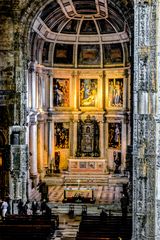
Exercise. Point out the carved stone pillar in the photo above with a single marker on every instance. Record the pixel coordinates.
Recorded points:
(144, 127)
(18, 172)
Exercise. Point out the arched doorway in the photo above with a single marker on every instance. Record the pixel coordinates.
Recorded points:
(80, 75)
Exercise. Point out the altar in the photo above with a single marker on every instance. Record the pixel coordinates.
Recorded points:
(78, 195)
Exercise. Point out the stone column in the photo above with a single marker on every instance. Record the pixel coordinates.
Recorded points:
(39, 88)
(40, 141)
(50, 79)
(73, 138)
(33, 86)
(101, 139)
(33, 147)
(123, 164)
(50, 142)
(74, 89)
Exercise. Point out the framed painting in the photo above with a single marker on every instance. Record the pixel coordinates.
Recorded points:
(115, 92)
(113, 53)
(60, 92)
(88, 55)
(63, 54)
(61, 135)
(88, 92)
(114, 136)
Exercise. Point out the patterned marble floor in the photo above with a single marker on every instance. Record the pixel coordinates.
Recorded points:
(103, 194)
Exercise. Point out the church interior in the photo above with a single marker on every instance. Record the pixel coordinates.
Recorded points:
(79, 123)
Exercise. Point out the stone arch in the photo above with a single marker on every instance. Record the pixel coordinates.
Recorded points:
(29, 15)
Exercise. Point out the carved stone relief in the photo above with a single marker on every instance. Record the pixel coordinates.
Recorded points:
(144, 135)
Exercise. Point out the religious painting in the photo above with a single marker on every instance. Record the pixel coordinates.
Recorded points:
(88, 92)
(88, 54)
(45, 52)
(61, 135)
(114, 139)
(115, 92)
(60, 92)
(82, 165)
(113, 53)
(63, 54)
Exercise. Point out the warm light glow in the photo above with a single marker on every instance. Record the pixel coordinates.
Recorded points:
(0, 160)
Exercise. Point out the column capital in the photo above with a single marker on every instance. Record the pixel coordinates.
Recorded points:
(33, 119)
(32, 67)
(41, 119)
(50, 73)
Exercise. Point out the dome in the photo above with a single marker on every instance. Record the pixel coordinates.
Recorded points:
(80, 30)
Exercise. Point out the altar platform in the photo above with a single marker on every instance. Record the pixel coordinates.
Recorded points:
(78, 195)
(106, 188)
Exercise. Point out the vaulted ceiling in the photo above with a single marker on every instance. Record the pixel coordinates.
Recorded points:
(83, 22)
(93, 20)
